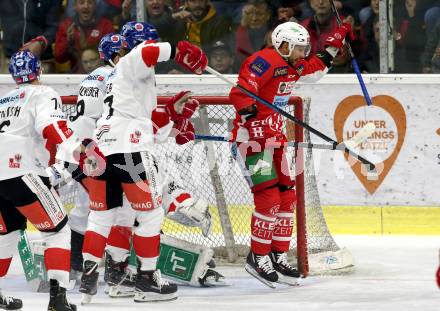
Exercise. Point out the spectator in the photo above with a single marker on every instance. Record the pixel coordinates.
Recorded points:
(320, 25)
(288, 11)
(84, 30)
(431, 54)
(432, 15)
(221, 57)
(203, 25)
(411, 37)
(370, 59)
(250, 35)
(230, 8)
(107, 8)
(22, 21)
(90, 60)
(159, 15)
(369, 12)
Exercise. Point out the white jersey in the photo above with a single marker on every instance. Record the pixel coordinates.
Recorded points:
(89, 103)
(125, 125)
(31, 124)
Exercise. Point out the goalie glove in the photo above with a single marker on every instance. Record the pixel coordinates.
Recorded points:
(181, 106)
(194, 214)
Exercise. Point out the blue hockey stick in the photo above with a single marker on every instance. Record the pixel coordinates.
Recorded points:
(353, 59)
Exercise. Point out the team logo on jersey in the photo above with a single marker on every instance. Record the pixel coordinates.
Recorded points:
(100, 78)
(259, 66)
(280, 71)
(22, 95)
(15, 161)
(102, 130)
(285, 87)
(135, 137)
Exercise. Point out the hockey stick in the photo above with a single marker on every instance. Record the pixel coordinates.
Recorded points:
(359, 138)
(370, 166)
(353, 59)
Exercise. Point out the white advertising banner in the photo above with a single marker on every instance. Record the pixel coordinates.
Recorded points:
(405, 145)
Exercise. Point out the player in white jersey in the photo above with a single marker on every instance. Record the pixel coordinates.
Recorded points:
(125, 131)
(88, 109)
(33, 132)
(103, 212)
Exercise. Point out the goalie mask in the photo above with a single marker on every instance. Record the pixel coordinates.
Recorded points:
(110, 45)
(292, 33)
(137, 32)
(24, 67)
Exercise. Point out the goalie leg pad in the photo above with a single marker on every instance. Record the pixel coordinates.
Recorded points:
(183, 261)
(193, 213)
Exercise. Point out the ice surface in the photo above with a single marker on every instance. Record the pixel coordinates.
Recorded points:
(392, 273)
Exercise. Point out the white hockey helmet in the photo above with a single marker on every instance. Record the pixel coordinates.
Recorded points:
(292, 33)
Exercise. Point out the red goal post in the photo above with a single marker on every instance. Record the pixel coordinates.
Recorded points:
(228, 195)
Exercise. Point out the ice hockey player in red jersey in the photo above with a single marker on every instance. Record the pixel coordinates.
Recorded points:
(33, 133)
(271, 74)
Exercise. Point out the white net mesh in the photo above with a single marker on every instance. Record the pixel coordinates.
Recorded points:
(208, 170)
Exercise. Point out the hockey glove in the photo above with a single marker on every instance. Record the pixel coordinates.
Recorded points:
(91, 161)
(183, 131)
(335, 42)
(57, 174)
(191, 57)
(181, 105)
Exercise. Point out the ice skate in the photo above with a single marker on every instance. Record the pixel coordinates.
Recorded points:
(286, 273)
(89, 281)
(10, 303)
(151, 287)
(58, 300)
(121, 281)
(260, 267)
(212, 278)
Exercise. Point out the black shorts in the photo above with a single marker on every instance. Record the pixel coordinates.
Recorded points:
(18, 203)
(124, 173)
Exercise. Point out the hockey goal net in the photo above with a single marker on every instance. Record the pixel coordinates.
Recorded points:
(208, 170)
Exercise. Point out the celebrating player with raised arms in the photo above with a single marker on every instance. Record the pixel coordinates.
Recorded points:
(33, 133)
(126, 132)
(271, 74)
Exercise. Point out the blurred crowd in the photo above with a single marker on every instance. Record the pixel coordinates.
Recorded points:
(229, 31)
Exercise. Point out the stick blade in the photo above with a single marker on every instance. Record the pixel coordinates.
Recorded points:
(361, 136)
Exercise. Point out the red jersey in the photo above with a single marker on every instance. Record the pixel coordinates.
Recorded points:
(268, 75)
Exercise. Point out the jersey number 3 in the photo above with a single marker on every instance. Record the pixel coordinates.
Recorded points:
(109, 100)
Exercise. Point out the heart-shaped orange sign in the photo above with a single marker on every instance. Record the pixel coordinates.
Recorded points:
(383, 146)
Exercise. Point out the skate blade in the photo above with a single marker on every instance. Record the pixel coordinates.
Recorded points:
(153, 297)
(254, 273)
(213, 283)
(86, 299)
(120, 291)
(291, 281)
